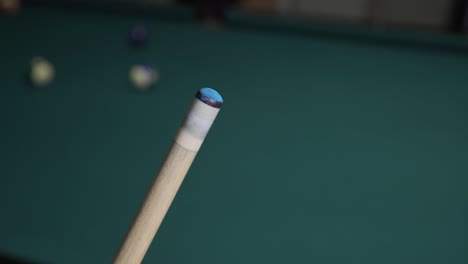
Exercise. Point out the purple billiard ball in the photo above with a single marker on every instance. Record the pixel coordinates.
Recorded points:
(138, 35)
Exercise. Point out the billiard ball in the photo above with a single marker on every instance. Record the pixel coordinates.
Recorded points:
(9, 6)
(42, 72)
(143, 77)
(138, 35)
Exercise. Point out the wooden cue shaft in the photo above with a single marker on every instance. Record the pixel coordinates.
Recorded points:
(157, 202)
(169, 178)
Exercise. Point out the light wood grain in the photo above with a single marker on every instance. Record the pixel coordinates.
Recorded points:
(162, 191)
(154, 208)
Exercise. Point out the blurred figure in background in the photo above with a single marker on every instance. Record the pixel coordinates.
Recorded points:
(210, 12)
(9, 6)
(459, 12)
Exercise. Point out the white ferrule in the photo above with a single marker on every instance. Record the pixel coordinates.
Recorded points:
(196, 125)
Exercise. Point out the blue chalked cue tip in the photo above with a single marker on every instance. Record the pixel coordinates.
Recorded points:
(210, 97)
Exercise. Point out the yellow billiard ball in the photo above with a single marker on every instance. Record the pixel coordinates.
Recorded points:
(42, 72)
(143, 77)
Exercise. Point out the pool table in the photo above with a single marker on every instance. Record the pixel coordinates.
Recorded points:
(336, 144)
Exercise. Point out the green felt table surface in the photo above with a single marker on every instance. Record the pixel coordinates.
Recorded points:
(334, 145)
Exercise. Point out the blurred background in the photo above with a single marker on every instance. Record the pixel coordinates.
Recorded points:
(431, 15)
(343, 137)
(436, 15)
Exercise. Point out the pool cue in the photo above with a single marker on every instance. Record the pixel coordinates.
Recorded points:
(162, 191)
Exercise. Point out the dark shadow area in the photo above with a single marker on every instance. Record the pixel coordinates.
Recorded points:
(25, 78)
(458, 15)
(140, 10)
(5, 259)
